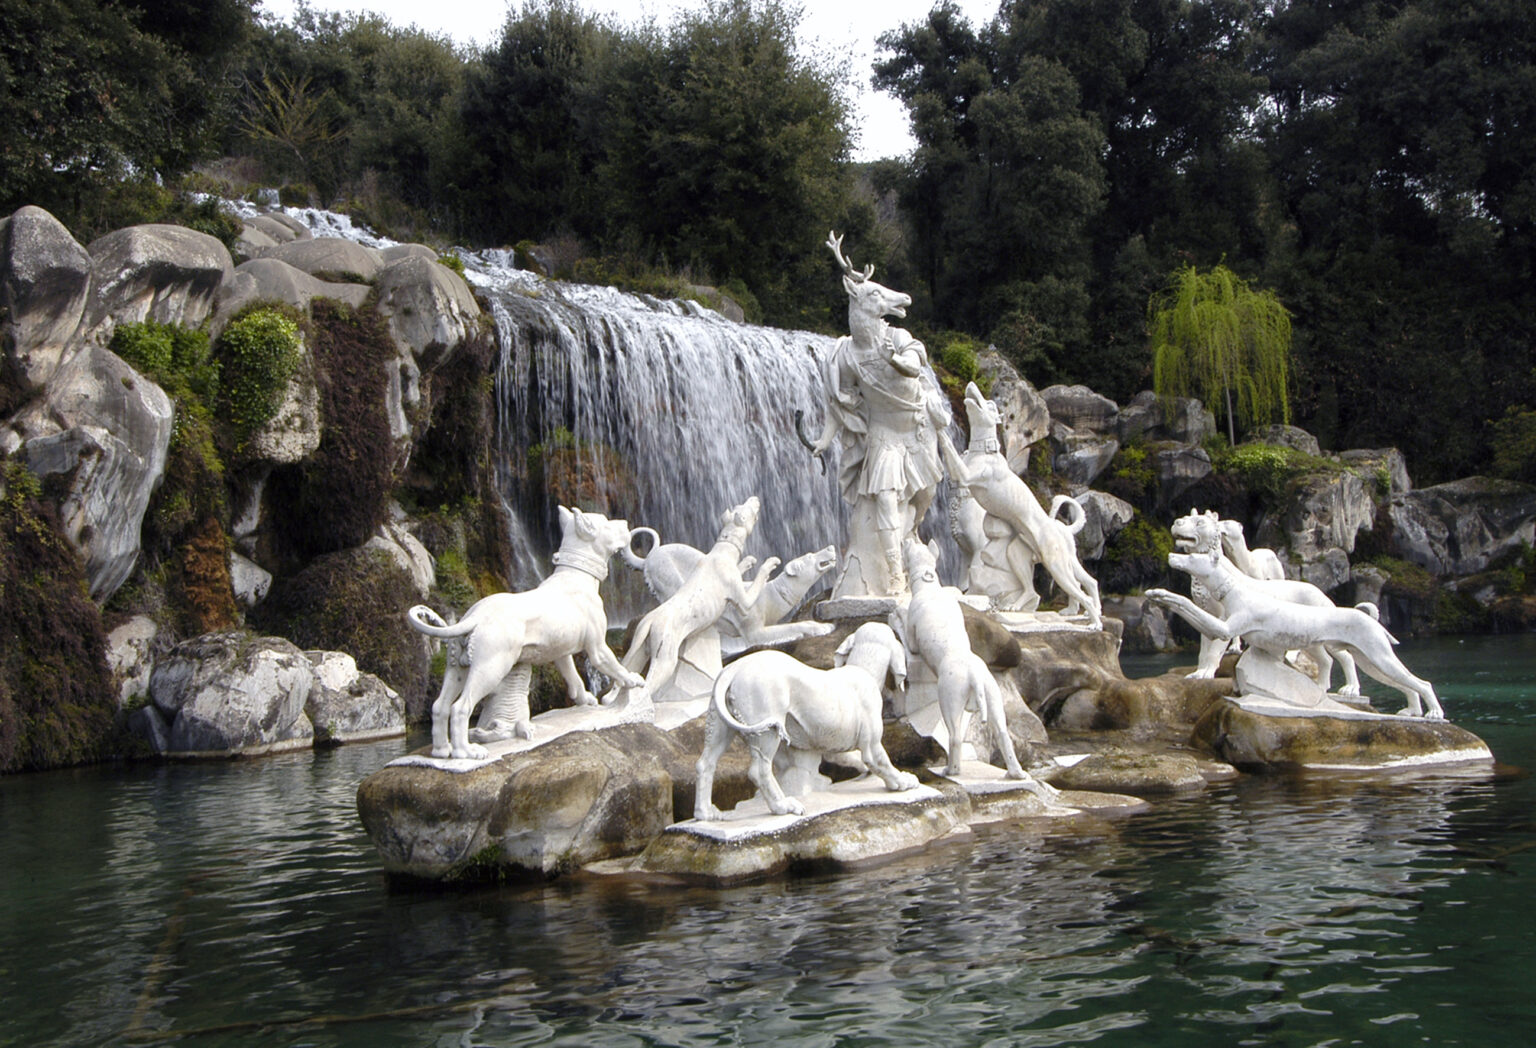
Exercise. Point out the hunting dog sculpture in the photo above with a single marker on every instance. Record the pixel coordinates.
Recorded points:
(1277, 626)
(784, 709)
(1000, 492)
(494, 647)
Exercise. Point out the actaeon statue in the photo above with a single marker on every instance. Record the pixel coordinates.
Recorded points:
(885, 410)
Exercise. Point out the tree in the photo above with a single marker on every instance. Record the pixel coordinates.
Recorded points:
(1216, 338)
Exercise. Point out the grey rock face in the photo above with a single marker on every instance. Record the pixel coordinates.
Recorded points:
(108, 429)
(1179, 467)
(1327, 511)
(430, 311)
(1081, 457)
(1185, 420)
(1105, 516)
(232, 693)
(271, 278)
(1459, 528)
(1146, 625)
(45, 279)
(1284, 436)
(249, 580)
(1080, 408)
(293, 432)
(168, 274)
(332, 257)
(346, 705)
(1378, 464)
(130, 656)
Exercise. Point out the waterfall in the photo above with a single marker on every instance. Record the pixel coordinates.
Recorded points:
(662, 412)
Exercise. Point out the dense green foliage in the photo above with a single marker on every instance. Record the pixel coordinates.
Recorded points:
(1215, 338)
(1367, 161)
(257, 353)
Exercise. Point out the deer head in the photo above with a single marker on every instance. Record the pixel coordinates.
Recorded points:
(867, 300)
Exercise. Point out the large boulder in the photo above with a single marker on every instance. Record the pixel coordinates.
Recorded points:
(1177, 467)
(1384, 468)
(1025, 417)
(103, 431)
(1257, 734)
(1104, 517)
(1150, 417)
(130, 657)
(293, 432)
(430, 311)
(168, 274)
(45, 280)
(1461, 527)
(1080, 458)
(225, 694)
(347, 705)
(263, 279)
(1284, 436)
(1081, 409)
(331, 258)
(582, 797)
(1147, 625)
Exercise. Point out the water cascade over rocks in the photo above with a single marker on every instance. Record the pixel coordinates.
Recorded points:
(664, 410)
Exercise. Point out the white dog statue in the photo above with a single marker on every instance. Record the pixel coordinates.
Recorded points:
(714, 585)
(501, 637)
(779, 702)
(1276, 626)
(933, 629)
(1204, 533)
(1000, 492)
(667, 567)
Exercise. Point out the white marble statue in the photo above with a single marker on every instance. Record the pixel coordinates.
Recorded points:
(1275, 625)
(1002, 494)
(1260, 562)
(884, 409)
(668, 566)
(494, 647)
(789, 715)
(714, 585)
(998, 564)
(933, 630)
(1205, 533)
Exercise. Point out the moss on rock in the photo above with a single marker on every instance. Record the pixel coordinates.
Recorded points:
(56, 705)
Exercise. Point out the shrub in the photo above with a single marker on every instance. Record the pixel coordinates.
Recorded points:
(257, 352)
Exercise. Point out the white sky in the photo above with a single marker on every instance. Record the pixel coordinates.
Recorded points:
(846, 27)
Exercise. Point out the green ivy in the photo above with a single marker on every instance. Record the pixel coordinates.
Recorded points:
(259, 351)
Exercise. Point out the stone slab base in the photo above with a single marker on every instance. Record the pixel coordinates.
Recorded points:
(851, 824)
(997, 798)
(1261, 733)
(636, 708)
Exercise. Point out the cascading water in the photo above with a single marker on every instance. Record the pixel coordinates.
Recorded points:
(662, 412)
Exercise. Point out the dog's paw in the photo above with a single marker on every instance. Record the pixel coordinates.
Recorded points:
(1201, 674)
(441, 752)
(1350, 691)
(790, 807)
(820, 629)
(906, 781)
(706, 813)
(523, 729)
(771, 564)
(472, 751)
(632, 680)
(1157, 596)
(586, 698)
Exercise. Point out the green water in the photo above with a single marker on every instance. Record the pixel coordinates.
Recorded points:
(240, 904)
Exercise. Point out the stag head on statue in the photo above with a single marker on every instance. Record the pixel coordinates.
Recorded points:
(868, 302)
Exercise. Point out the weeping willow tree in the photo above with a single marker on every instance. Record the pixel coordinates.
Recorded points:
(1215, 338)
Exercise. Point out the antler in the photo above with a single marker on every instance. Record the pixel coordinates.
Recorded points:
(835, 242)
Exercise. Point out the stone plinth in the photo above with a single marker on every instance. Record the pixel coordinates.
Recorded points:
(851, 823)
(1256, 733)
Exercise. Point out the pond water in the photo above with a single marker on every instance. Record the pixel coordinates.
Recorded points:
(241, 904)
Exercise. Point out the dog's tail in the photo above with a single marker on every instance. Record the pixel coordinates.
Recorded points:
(424, 620)
(634, 559)
(1080, 516)
(722, 686)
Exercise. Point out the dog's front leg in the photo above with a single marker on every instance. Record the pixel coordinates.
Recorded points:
(575, 687)
(600, 655)
(745, 598)
(1202, 620)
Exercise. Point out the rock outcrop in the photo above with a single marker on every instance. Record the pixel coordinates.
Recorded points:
(1461, 527)
(168, 274)
(230, 693)
(45, 280)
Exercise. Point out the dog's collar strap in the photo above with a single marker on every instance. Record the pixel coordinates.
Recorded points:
(988, 445)
(590, 563)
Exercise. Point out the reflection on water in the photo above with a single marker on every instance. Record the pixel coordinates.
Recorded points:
(240, 904)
